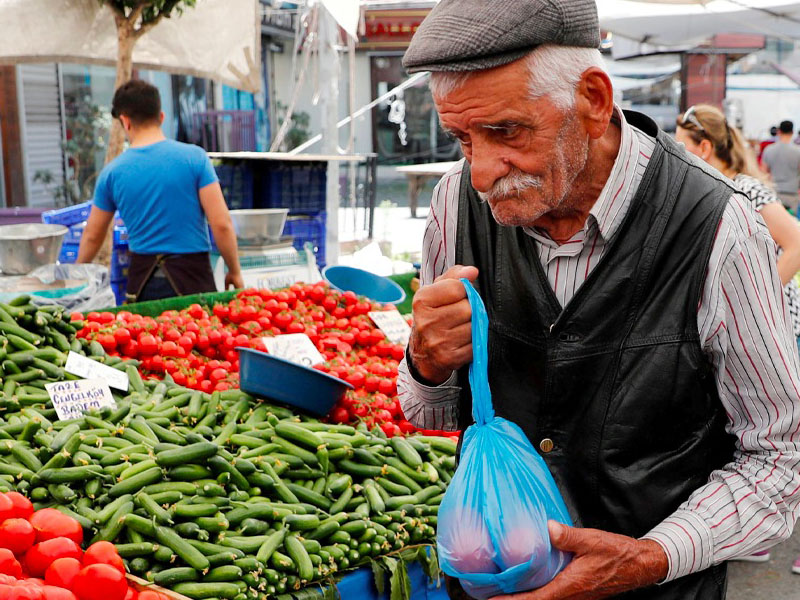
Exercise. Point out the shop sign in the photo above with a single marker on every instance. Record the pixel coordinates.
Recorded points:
(72, 399)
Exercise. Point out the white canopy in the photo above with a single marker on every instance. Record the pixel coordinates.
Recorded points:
(672, 25)
(217, 39)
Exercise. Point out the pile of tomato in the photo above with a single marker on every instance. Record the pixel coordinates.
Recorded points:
(41, 558)
(197, 348)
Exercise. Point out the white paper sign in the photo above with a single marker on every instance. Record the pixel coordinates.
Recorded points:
(392, 323)
(91, 369)
(72, 399)
(294, 347)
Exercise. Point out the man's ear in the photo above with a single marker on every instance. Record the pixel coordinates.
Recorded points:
(594, 101)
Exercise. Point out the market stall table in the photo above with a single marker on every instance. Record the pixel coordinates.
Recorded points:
(417, 176)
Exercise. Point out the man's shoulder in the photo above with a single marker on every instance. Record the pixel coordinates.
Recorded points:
(453, 175)
(183, 149)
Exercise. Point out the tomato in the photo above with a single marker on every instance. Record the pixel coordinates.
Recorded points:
(295, 327)
(152, 595)
(169, 348)
(76, 316)
(9, 565)
(186, 343)
(25, 591)
(390, 429)
(131, 349)
(42, 555)
(93, 316)
(131, 594)
(360, 410)
(340, 415)
(122, 335)
(50, 592)
(62, 572)
(147, 344)
(17, 535)
(388, 387)
(100, 582)
(104, 553)
(107, 341)
(406, 427)
(7, 509)
(50, 523)
(179, 378)
(355, 379)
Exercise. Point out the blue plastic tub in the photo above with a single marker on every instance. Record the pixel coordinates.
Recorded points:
(263, 375)
(364, 283)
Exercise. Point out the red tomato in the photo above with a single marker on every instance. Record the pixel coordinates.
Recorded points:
(42, 555)
(169, 348)
(7, 510)
(62, 571)
(388, 387)
(18, 535)
(186, 343)
(122, 336)
(100, 582)
(131, 594)
(25, 591)
(179, 378)
(56, 593)
(152, 595)
(340, 415)
(106, 317)
(131, 349)
(50, 523)
(355, 379)
(76, 316)
(147, 344)
(390, 429)
(9, 565)
(104, 553)
(107, 341)
(406, 427)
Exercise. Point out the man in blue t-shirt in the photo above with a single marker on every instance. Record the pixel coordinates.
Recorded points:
(167, 193)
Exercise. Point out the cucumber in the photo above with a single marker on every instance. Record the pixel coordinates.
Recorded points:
(309, 496)
(187, 454)
(70, 474)
(299, 435)
(153, 508)
(193, 557)
(297, 552)
(171, 577)
(135, 483)
(202, 590)
(224, 573)
(189, 473)
(302, 522)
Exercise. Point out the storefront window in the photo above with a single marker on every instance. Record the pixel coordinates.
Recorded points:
(406, 127)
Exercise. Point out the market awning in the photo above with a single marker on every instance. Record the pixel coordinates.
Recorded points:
(217, 39)
(659, 26)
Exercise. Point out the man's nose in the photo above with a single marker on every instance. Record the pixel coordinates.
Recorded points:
(487, 166)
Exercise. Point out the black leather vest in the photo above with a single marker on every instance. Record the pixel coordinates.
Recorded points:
(617, 378)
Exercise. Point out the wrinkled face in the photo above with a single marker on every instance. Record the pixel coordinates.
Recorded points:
(525, 154)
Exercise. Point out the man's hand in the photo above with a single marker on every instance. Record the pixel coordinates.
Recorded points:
(604, 564)
(234, 280)
(441, 340)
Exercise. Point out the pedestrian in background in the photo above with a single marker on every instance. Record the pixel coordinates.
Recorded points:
(782, 159)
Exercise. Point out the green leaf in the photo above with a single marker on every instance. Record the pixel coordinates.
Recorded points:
(380, 576)
(391, 564)
(400, 583)
(331, 591)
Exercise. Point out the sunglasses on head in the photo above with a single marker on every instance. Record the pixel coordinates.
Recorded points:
(689, 118)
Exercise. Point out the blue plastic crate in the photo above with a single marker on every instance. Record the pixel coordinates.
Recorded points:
(121, 236)
(298, 186)
(70, 215)
(120, 262)
(119, 288)
(308, 229)
(68, 254)
(236, 182)
(75, 233)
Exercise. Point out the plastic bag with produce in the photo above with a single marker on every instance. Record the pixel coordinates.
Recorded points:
(492, 531)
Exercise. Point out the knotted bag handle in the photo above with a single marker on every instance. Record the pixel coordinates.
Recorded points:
(482, 409)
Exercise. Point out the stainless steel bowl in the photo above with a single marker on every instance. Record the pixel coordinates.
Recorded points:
(259, 226)
(25, 246)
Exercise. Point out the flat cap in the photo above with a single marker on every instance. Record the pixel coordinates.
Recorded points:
(470, 35)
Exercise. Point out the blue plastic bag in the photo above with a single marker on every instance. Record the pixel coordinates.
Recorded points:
(492, 528)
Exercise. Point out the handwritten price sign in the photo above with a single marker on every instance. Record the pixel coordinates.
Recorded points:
(72, 399)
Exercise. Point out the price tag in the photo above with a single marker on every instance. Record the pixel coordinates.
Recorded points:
(392, 323)
(73, 398)
(294, 347)
(91, 369)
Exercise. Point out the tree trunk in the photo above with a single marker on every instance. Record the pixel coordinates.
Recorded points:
(125, 42)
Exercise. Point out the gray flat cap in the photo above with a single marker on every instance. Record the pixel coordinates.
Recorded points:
(469, 35)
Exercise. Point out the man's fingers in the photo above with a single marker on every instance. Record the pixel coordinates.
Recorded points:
(568, 539)
(458, 272)
(441, 293)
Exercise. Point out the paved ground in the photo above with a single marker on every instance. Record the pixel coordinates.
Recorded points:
(772, 580)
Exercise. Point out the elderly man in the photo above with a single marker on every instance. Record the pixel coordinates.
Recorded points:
(638, 334)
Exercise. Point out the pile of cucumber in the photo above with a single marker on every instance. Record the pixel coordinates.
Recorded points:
(213, 496)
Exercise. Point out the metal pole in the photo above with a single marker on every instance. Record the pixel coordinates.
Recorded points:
(329, 108)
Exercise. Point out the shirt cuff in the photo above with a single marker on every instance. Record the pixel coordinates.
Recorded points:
(429, 394)
(687, 541)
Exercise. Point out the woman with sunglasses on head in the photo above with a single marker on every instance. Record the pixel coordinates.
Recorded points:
(705, 132)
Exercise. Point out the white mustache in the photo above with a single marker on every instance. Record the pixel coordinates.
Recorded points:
(512, 184)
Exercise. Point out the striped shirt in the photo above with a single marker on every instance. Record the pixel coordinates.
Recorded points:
(752, 502)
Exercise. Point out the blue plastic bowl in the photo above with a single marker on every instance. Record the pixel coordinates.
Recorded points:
(267, 376)
(364, 283)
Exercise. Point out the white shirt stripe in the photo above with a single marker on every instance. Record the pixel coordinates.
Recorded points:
(752, 502)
